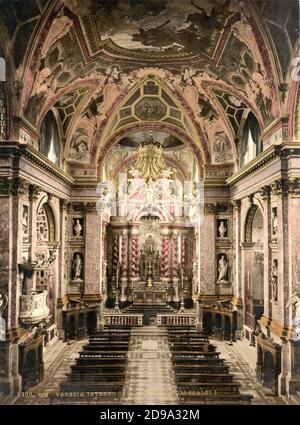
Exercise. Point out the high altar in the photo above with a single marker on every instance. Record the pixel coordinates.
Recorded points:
(149, 241)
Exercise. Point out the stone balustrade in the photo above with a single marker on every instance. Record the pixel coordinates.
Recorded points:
(123, 319)
(176, 319)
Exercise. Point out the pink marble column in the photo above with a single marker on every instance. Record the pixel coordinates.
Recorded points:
(92, 251)
(208, 251)
(124, 255)
(183, 254)
(174, 260)
(165, 252)
(134, 252)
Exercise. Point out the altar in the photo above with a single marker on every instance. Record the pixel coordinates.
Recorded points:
(144, 295)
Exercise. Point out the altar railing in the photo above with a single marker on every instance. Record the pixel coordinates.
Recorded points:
(33, 308)
(180, 319)
(123, 319)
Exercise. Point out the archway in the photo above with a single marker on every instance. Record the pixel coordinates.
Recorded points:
(253, 255)
(148, 232)
(268, 373)
(207, 323)
(46, 246)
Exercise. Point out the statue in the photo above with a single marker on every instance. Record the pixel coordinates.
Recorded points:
(77, 228)
(77, 267)
(274, 223)
(25, 222)
(222, 229)
(294, 301)
(3, 304)
(223, 269)
(274, 280)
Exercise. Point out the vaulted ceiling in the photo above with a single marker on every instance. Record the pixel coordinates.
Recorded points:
(217, 59)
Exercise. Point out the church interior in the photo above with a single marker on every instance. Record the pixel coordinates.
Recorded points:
(149, 202)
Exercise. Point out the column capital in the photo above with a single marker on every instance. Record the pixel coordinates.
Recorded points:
(34, 191)
(294, 187)
(280, 187)
(65, 204)
(265, 192)
(236, 204)
(251, 199)
(14, 186)
(210, 208)
(5, 185)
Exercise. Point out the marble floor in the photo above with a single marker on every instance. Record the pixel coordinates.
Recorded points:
(150, 377)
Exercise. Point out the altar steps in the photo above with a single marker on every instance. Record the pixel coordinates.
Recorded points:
(149, 311)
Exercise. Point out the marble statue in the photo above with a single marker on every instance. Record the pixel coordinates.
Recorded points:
(274, 223)
(223, 269)
(77, 267)
(77, 228)
(222, 229)
(294, 301)
(25, 222)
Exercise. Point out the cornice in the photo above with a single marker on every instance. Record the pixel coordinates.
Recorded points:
(272, 153)
(28, 152)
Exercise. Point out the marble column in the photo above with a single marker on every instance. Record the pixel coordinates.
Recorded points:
(92, 252)
(208, 259)
(124, 266)
(62, 261)
(292, 381)
(34, 194)
(265, 196)
(11, 239)
(237, 247)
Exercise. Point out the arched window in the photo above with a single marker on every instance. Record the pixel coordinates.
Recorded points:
(49, 142)
(45, 226)
(251, 144)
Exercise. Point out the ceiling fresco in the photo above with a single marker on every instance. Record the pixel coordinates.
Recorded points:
(168, 141)
(156, 25)
(210, 61)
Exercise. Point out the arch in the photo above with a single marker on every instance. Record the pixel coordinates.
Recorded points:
(227, 327)
(133, 158)
(116, 137)
(45, 223)
(218, 321)
(250, 140)
(208, 323)
(253, 259)
(136, 112)
(50, 138)
(248, 223)
(268, 370)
